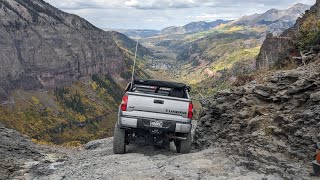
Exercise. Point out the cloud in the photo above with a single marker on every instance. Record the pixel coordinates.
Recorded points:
(85, 4)
(158, 14)
(168, 4)
(161, 4)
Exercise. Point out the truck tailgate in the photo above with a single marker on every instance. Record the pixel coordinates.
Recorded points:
(158, 104)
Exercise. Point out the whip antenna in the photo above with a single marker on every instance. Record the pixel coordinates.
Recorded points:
(134, 64)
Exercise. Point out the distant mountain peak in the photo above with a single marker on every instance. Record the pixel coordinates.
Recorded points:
(299, 5)
(193, 27)
(276, 20)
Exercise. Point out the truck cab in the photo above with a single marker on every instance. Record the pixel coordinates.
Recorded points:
(156, 113)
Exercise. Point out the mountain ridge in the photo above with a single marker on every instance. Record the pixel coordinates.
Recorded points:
(193, 27)
(274, 19)
(48, 47)
(61, 78)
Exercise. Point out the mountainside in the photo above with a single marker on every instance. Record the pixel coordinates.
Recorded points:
(213, 59)
(61, 78)
(193, 27)
(274, 20)
(43, 47)
(129, 46)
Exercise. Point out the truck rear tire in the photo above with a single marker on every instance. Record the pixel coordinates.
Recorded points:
(119, 140)
(184, 146)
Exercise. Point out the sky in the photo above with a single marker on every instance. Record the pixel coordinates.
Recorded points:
(158, 14)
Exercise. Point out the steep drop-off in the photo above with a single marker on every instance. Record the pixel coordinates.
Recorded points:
(61, 78)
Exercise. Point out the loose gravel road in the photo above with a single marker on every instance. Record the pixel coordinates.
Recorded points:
(97, 161)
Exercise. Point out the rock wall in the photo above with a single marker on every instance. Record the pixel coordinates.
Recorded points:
(42, 47)
(274, 50)
(274, 125)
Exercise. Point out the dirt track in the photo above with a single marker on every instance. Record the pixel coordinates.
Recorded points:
(97, 161)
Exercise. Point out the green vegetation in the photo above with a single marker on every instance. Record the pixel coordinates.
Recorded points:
(72, 101)
(109, 85)
(214, 59)
(223, 29)
(310, 32)
(234, 57)
(71, 115)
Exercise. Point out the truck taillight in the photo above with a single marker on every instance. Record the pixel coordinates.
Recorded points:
(190, 111)
(124, 103)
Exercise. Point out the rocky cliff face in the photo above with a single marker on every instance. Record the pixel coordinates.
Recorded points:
(42, 47)
(279, 50)
(274, 124)
(275, 48)
(15, 151)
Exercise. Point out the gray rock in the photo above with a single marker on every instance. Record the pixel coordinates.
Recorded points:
(315, 97)
(43, 47)
(15, 151)
(276, 117)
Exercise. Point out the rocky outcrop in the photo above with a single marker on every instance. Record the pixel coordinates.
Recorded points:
(15, 151)
(274, 124)
(278, 51)
(275, 49)
(42, 47)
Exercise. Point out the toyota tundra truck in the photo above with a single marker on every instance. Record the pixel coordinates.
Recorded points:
(156, 113)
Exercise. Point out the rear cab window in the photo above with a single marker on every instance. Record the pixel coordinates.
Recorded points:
(160, 91)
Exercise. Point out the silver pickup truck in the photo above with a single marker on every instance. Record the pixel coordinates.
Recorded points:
(156, 113)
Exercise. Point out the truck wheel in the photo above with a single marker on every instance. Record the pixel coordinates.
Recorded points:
(119, 140)
(184, 146)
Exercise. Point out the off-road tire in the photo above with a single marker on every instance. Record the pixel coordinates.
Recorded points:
(119, 140)
(184, 146)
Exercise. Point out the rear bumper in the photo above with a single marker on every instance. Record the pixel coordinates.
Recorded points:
(168, 126)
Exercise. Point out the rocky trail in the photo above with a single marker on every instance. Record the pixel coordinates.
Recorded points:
(97, 161)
